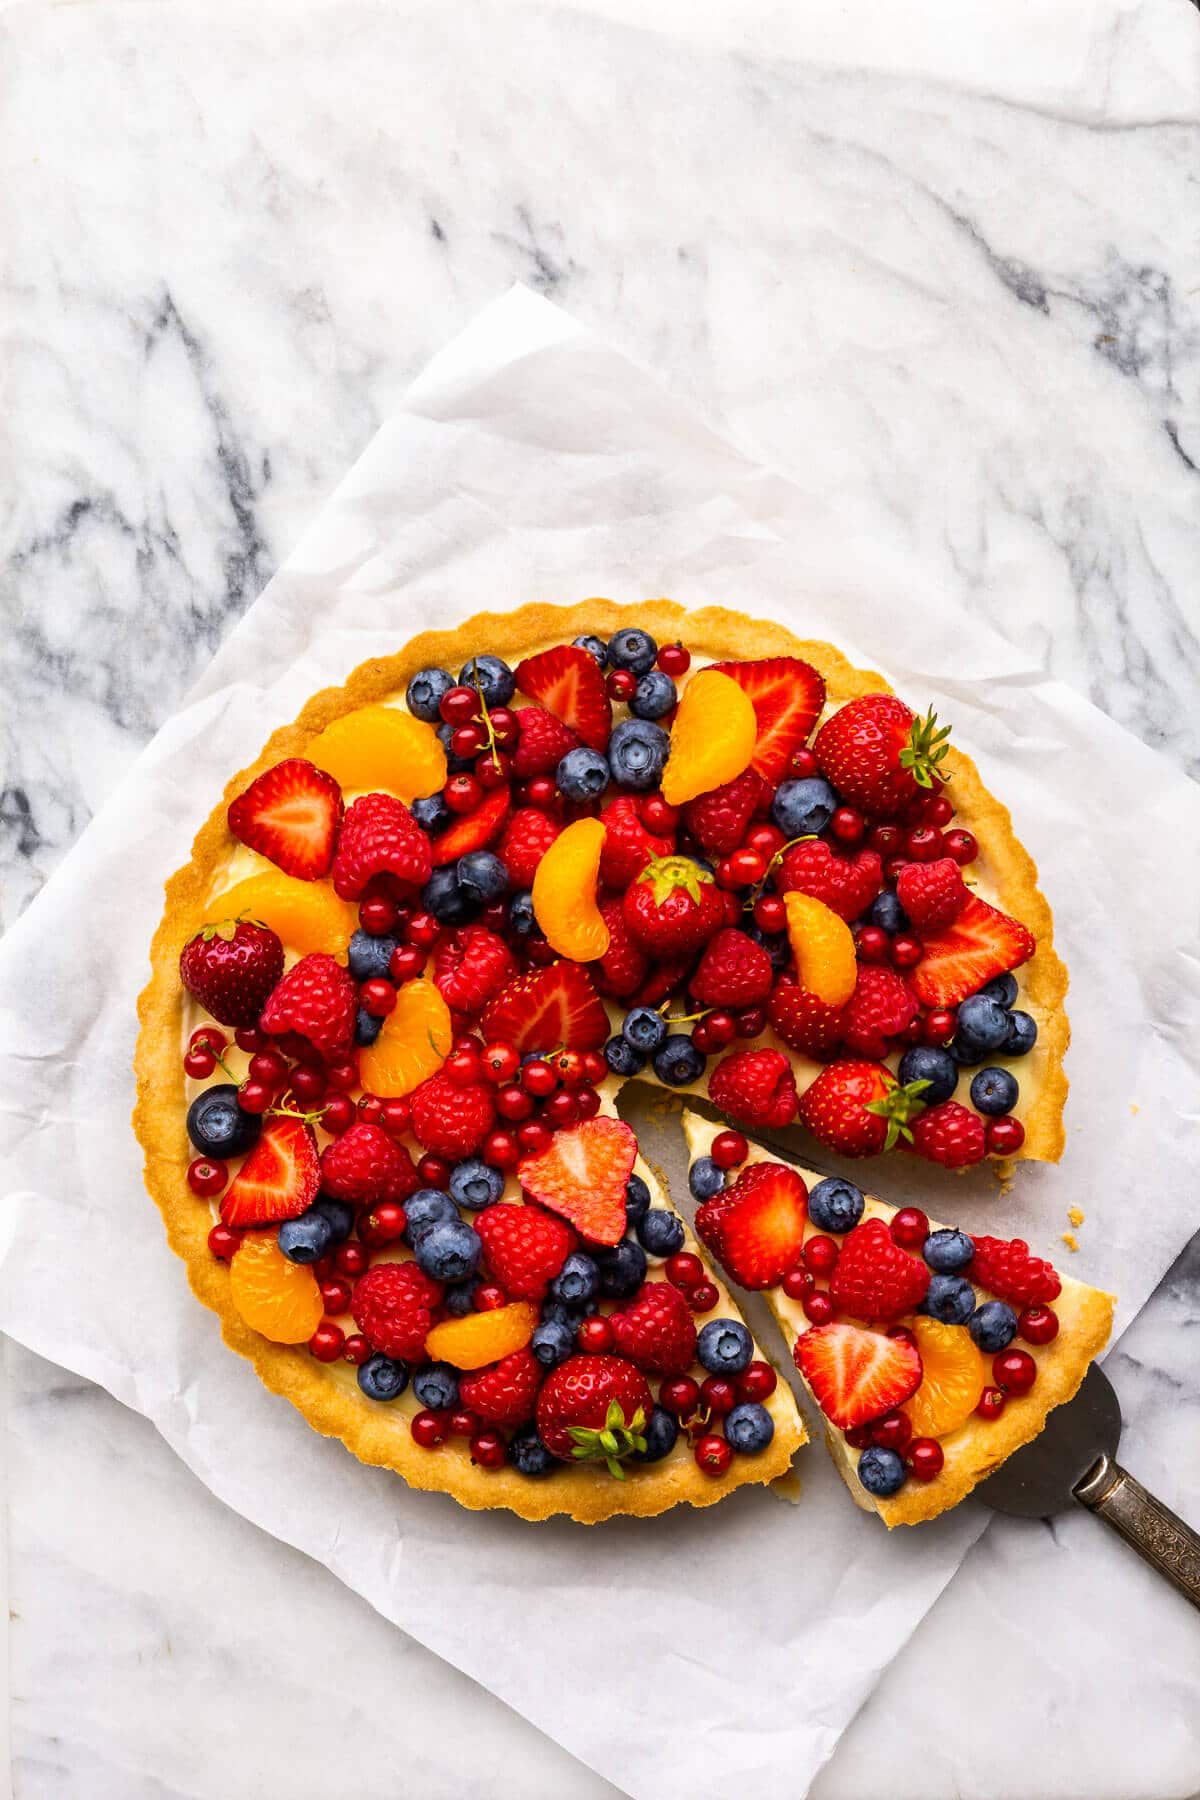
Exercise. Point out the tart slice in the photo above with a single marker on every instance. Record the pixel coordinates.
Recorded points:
(932, 1354)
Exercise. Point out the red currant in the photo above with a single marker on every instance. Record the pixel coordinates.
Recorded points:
(910, 1228)
(534, 1137)
(906, 951)
(748, 866)
(335, 1295)
(561, 1109)
(673, 659)
(961, 846)
(923, 844)
(199, 1064)
(434, 1171)
(569, 1067)
(729, 1148)
(1014, 1370)
(766, 839)
(385, 1222)
(462, 793)
(356, 1350)
(467, 740)
(505, 726)
(208, 1037)
(886, 839)
(925, 1458)
(501, 1150)
(936, 810)
(514, 1103)
(803, 764)
(703, 1297)
(750, 1021)
(621, 684)
(493, 771)
(1005, 1135)
(253, 1097)
(350, 1259)
(1038, 1325)
(587, 1102)
(991, 1403)
(797, 1283)
(903, 1334)
(327, 1341)
(719, 1395)
(892, 866)
(489, 1296)
(249, 1039)
(206, 1177)
(596, 1335)
(342, 1075)
(713, 1454)
(395, 1116)
(702, 1039)
(819, 1308)
(757, 1381)
(770, 913)
(820, 1255)
(595, 1067)
(939, 1026)
(422, 930)
(464, 1069)
(858, 1436)
(873, 944)
(427, 1428)
(268, 1067)
(541, 792)
(223, 1242)
(657, 816)
(459, 704)
(538, 1078)
(462, 1422)
(848, 826)
(308, 1083)
(370, 1109)
(684, 1270)
(377, 914)
(892, 1430)
(406, 963)
(500, 1063)
(720, 1028)
(487, 1449)
(680, 1396)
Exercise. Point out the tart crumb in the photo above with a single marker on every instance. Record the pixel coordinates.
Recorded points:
(1134, 1108)
(1068, 1238)
(1004, 1170)
(1076, 1217)
(787, 1486)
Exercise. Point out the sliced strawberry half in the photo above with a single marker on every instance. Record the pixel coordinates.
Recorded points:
(473, 830)
(548, 1009)
(980, 944)
(787, 695)
(856, 1375)
(291, 816)
(582, 1176)
(278, 1180)
(756, 1227)
(569, 682)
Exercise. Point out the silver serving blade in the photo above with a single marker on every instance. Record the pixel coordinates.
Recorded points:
(1041, 1478)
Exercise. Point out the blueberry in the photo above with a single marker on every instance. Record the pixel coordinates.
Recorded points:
(367, 1026)
(937, 1067)
(527, 1453)
(637, 1199)
(994, 1091)
(775, 944)
(950, 1298)
(369, 956)
(520, 914)
(1022, 1034)
(217, 1125)
(460, 1298)
(749, 1428)
(881, 1471)
(473, 1183)
(552, 1342)
(948, 1251)
(594, 646)
(660, 1232)
(983, 1022)
(431, 814)
(492, 676)
(306, 1239)
(835, 1204)
(582, 774)
(424, 693)
(622, 1269)
(993, 1326)
(887, 913)
(644, 1028)
(637, 754)
(340, 1216)
(425, 1209)
(482, 876)
(455, 764)
(577, 1281)
(559, 1313)
(383, 1378)
(448, 1251)
(622, 1058)
(630, 648)
(705, 1179)
(654, 696)
(660, 1432)
(678, 1061)
(442, 896)
(803, 808)
(437, 1387)
(724, 1347)
(1003, 990)
(967, 1054)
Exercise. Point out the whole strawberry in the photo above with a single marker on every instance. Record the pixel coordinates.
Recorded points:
(379, 836)
(804, 1022)
(733, 971)
(1005, 1266)
(950, 1134)
(451, 1121)
(542, 742)
(756, 1087)
(507, 1392)
(525, 840)
(846, 883)
(318, 999)
(524, 1248)
(628, 846)
(623, 967)
(932, 894)
(858, 1108)
(673, 907)
(231, 969)
(718, 821)
(365, 1165)
(874, 1278)
(470, 966)
(879, 755)
(878, 1010)
(594, 1409)
(656, 1330)
(394, 1305)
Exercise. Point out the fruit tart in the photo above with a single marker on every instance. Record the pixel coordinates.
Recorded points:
(425, 938)
(931, 1353)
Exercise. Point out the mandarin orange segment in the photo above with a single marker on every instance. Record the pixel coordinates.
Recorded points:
(307, 915)
(564, 892)
(278, 1298)
(954, 1375)
(712, 738)
(823, 945)
(414, 1043)
(380, 749)
(484, 1337)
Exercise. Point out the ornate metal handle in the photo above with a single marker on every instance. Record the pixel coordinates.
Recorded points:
(1152, 1529)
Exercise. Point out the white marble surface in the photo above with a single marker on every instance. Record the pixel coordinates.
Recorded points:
(948, 272)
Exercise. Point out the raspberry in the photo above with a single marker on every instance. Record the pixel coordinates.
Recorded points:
(451, 1121)
(628, 846)
(379, 836)
(718, 820)
(932, 894)
(393, 1306)
(756, 1087)
(527, 837)
(623, 967)
(805, 1023)
(846, 884)
(505, 1394)
(879, 1009)
(734, 971)
(542, 742)
(950, 1134)
(666, 974)
(1006, 1268)
(656, 1330)
(318, 999)
(471, 966)
(524, 1248)
(874, 1277)
(365, 1165)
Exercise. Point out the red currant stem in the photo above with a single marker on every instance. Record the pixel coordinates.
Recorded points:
(697, 1424)
(487, 721)
(220, 1061)
(289, 1112)
(756, 892)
